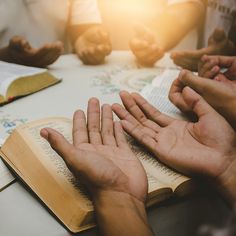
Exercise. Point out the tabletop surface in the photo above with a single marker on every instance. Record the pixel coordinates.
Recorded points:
(22, 214)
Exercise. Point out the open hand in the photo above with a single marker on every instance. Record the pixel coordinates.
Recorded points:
(100, 156)
(218, 44)
(205, 147)
(145, 47)
(21, 52)
(93, 46)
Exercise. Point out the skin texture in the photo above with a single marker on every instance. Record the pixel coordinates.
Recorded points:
(101, 158)
(20, 51)
(92, 44)
(210, 67)
(149, 44)
(218, 44)
(206, 147)
(221, 95)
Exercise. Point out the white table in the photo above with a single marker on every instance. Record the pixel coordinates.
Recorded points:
(21, 214)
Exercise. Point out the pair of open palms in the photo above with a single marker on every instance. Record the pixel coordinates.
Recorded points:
(102, 158)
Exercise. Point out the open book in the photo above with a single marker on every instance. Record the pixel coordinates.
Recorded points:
(17, 81)
(39, 167)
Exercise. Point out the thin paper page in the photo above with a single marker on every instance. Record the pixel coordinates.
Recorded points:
(165, 176)
(51, 160)
(166, 78)
(5, 176)
(10, 72)
(158, 97)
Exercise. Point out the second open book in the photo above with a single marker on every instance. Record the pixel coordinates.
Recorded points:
(40, 168)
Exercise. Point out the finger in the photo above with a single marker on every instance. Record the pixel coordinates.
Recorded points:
(138, 44)
(92, 57)
(218, 35)
(131, 105)
(208, 68)
(176, 97)
(198, 105)
(107, 126)
(93, 116)
(151, 112)
(104, 49)
(125, 115)
(197, 83)
(80, 132)
(19, 43)
(150, 56)
(120, 136)
(58, 143)
(139, 135)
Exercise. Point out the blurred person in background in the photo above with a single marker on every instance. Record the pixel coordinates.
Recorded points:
(180, 17)
(45, 28)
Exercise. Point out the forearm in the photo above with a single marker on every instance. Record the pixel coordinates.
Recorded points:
(121, 214)
(175, 22)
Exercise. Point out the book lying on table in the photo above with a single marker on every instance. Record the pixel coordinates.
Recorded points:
(17, 81)
(45, 172)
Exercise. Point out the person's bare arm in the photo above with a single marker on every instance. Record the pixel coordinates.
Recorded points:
(174, 23)
(102, 159)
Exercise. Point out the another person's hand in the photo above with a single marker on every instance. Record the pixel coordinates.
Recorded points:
(100, 156)
(145, 47)
(206, 147)
(210, 67)
(93, 45)
(220, 95)
(218, 44)
(20, 52)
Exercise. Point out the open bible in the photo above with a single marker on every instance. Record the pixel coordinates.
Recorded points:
(45, 172)
(17, 81)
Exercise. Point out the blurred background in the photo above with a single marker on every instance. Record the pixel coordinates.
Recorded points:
(119, 16)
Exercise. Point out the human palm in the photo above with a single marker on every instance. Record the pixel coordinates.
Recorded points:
(203, 147)
(21, 52)
(101, 159)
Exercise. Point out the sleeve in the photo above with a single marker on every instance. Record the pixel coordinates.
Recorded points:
(201, 3)
(85, 12)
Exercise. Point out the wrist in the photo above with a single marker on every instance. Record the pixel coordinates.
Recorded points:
(119, 213)
(116, 199)
(226, 182)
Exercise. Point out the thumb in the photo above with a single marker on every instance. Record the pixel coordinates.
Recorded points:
(218, 35)
(58, 143)
(198, 105)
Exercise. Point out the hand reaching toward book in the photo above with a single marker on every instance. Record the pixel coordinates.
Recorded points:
(19, 51)
(218, 44)
(219, 95)
(206, 147)
(93, 46)
(144, 46)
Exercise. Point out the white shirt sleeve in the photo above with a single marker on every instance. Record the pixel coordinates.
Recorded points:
(85, 12)
(199, 2)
